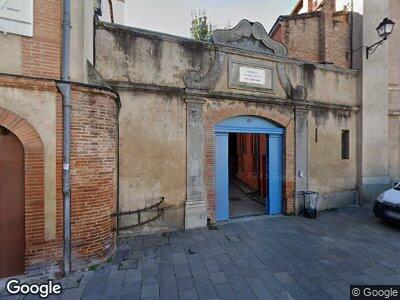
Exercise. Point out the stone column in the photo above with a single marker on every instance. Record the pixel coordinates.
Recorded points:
(301, 156)
(195, 207)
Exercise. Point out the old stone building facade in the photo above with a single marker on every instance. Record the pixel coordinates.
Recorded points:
(210, 97)
(153, 115)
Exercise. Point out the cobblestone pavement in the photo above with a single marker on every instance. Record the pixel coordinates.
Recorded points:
(265, 258)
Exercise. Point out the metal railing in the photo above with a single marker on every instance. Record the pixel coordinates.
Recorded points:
(152, 208)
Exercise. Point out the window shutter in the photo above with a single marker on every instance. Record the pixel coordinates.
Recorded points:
(16, 16)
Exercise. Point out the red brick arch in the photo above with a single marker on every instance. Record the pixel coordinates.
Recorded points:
(34, 178)
(214, 114)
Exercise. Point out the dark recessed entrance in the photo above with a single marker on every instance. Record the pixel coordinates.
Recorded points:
(248, 167)
(248, 159)
(12, 205)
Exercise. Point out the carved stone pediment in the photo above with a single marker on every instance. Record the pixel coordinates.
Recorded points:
(249, 36)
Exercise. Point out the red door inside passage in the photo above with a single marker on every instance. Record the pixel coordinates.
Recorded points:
(12, 205)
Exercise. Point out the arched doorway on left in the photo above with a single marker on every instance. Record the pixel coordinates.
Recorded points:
(12, 205)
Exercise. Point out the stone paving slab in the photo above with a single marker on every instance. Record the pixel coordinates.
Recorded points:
(260, 258)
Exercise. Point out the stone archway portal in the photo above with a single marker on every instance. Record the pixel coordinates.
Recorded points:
(247, 124)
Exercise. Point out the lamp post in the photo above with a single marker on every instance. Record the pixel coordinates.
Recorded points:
(384, 29)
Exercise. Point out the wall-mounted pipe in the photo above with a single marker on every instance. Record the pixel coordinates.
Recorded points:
(65, 90)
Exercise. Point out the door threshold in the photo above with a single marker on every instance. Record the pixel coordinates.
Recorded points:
(249, 218)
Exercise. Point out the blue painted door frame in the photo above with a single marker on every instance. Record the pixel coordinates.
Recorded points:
(247, 124)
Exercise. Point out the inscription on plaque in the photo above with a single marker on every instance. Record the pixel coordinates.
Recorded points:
(251, 76)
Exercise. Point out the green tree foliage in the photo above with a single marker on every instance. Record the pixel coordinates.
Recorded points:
(201, 28)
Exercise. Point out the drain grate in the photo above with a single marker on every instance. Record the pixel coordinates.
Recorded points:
(71, 282)
(233, 238)
(128, 264)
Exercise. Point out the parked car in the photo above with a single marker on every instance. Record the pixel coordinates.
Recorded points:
(387, 205)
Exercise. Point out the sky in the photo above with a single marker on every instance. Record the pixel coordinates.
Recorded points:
(174, 16)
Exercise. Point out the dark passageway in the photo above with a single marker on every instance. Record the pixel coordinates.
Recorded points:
(248, 154)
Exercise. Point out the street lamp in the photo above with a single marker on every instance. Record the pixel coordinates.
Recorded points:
(384, 29)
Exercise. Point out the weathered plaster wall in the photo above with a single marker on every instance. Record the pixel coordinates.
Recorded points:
(133, 55)
(374, 125)
(328, 172)
(148, 69)
(140, 57)
(394, 94)
(331, 85)
(39, 109)
(394, 147)
(394, 42)
(153, 154)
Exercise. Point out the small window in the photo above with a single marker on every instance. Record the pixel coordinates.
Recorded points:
(16, 16)
(316, 135)
(345, 144)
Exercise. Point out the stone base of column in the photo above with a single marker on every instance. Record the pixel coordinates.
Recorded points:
(195, 215)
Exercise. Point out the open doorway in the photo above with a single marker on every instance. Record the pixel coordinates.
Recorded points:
(248, 165)
(248, 155)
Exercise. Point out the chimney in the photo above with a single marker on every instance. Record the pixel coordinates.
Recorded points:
(326, 31)
(310, 6)
(333, 4)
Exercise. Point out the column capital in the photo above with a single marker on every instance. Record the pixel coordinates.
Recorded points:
(194, 100)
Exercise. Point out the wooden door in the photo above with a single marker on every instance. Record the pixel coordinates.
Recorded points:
(12, 205)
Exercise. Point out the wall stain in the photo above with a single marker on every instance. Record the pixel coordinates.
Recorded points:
(155, 51)
(320, 116)
(309, 76)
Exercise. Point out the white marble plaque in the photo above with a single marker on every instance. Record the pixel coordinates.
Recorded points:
(252, 75)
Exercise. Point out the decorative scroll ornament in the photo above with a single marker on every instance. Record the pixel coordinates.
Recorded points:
(194, 80)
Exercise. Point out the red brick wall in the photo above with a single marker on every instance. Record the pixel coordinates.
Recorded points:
(41, 54)
(93, 175)
(216, 112)
(317, 36)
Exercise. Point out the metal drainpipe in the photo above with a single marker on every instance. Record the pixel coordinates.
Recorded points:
(65, 90)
